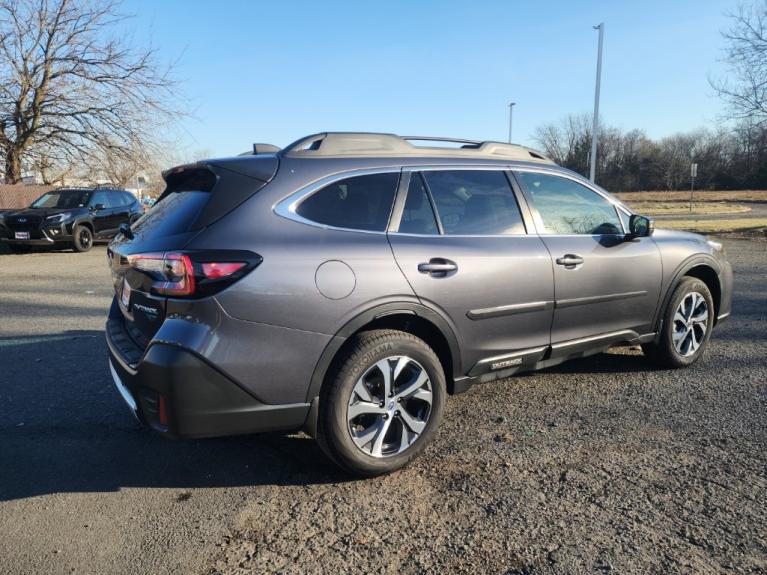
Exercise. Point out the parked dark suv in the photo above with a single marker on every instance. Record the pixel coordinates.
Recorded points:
(349, 283)
(74, 217)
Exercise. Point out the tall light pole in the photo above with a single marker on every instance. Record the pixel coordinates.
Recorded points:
(593, 167)
(511, 117)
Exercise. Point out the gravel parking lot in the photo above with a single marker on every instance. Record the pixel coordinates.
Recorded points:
(601, 465)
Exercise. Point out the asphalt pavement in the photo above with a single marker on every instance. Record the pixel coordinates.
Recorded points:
(602, 465)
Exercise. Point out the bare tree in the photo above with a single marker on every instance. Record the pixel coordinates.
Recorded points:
(45, 162)
(67, 81)
(746, 55)
(568, 141)
(120, 164)
(731, 158)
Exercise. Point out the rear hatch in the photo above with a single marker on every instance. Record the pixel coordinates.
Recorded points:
(149, 263)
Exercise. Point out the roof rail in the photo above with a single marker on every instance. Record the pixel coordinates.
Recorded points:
(474, 143)
(335, 144)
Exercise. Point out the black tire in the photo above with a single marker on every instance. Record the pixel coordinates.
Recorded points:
(362, 353)
(664, 353)
(83, 238)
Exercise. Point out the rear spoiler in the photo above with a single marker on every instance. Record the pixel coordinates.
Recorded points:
(259, 149)
(230, 181)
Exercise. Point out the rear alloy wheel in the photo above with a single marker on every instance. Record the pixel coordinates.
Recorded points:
(687, 325)
(389, 406)
(83, 238)
(383, 404)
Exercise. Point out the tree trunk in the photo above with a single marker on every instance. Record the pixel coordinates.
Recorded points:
(12, 166)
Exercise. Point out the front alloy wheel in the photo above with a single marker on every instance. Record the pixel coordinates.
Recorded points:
(690, 324)
(686, 327)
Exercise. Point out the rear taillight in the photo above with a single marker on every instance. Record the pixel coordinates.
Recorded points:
(218, 270)
(193, 273)
(173, 272)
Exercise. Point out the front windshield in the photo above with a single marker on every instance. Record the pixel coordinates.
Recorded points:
(65, 199)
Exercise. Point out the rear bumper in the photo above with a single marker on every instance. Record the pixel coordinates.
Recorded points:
(176, 393)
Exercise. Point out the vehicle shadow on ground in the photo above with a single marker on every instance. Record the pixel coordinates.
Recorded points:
(614, 361)
(64, 428)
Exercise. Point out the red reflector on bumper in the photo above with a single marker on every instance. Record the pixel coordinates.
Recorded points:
(162, 411)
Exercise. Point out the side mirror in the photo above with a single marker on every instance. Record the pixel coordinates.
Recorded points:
(98, 207)
(126, 231)
(640, 226)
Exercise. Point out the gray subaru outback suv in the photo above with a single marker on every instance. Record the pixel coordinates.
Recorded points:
(349, 283)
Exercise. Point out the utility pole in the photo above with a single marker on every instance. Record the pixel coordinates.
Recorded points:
(693, 174)
(593, 167)
(511, 117)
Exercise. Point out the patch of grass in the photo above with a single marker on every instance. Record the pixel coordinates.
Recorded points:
(682, 208)
(714, 226)
(698, 196)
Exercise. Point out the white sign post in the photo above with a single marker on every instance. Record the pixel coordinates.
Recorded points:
(693, 175)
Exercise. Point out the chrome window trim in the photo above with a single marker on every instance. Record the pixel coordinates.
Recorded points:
(463, 235)
(455, 167)
(617, 205)
(287, 207)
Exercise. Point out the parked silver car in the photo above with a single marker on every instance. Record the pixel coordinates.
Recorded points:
(349, 283)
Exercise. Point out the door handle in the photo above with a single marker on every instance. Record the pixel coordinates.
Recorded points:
(569, 260)
(437, 267)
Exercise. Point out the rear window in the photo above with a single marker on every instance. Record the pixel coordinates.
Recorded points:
(176, 212)
(357, 203)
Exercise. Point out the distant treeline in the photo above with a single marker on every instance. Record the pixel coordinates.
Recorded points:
(728, 159)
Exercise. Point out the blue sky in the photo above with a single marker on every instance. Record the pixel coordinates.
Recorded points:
(272, 72)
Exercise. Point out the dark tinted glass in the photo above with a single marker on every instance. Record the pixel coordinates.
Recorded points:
(102, 197)
(475, 202)
(418, 215)
(359, 203)
(174, 214)
(116, 199)
(126, 198)
(65, 199)
(567, 207)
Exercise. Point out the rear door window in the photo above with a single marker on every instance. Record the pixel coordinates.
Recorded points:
(103, 198)
(115, 199)
(474, 202)
(418, 214)
(356, 203)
